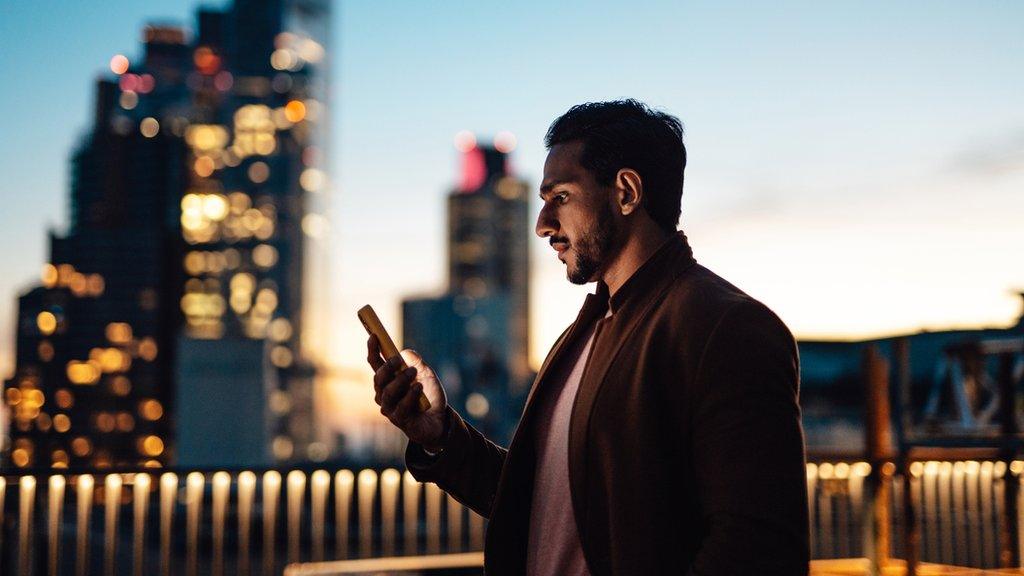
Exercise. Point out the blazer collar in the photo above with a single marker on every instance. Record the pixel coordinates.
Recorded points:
(646, 279)
(676, 247)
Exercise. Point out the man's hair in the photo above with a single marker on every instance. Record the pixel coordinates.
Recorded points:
(627, 134)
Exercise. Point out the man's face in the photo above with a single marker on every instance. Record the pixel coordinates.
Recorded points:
(577, 216)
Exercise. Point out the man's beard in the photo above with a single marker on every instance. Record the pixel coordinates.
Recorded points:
(593, 247)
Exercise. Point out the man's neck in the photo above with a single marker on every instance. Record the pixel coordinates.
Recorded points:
(640, 245)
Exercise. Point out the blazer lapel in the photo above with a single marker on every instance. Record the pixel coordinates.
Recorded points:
(592, 306)
(647, 287)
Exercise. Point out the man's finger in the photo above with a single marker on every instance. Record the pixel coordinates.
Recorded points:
(385, 374)
(408, 406)
(394, 391)
(373, 353)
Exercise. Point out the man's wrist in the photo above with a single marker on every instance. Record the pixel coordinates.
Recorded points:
(436, 449)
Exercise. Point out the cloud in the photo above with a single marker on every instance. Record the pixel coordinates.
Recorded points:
(996, 157)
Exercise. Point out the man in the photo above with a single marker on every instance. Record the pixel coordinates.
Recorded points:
(662, 434)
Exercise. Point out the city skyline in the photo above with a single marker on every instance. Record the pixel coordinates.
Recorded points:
(838, 163)
(171, 325)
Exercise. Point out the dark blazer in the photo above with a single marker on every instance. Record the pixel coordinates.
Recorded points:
(686, 453)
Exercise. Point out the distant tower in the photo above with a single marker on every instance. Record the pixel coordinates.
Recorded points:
(169, 326)
(477, 334)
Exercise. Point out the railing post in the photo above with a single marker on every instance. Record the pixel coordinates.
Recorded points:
(56, 496)
(878, 441)
(1009, 551)
(26, 520)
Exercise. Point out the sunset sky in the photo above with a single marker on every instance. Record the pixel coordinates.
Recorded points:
(857, 166)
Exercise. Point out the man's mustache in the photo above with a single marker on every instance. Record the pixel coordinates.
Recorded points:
(553, 240)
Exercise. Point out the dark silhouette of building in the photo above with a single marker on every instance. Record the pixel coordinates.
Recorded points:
(168, 325)
(477, 334)
(952, 388)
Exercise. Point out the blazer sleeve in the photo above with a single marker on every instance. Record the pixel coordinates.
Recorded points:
(748, 449)
(468, 468)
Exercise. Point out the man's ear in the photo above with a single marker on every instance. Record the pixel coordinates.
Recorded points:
(629, 191)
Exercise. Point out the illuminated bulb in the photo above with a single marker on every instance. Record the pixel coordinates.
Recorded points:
(295, 111)
(282, 448)
(825, 471)
(999, 469)
(129, 100)
(149, 127)
(842, 470)
(344, 479)
(50, 275)
(46, 322)
(147, 349)
(204, 166)
(465, 141)
(119, 332)
(81, 446)
(812, 470)
(282, 59)
(280, 329)
(169, 481)
(505, 142)
(95, 285)
(151, 445)
(390, 478)
(119, 64)
(916, 469)
(215, 206)
(264, 255)
(367, 478)
(311, 51)
(477, 405)
(312, 180)
(281, 357)
(315, 225)
(259, 172)
(61, 423)
(151, 409)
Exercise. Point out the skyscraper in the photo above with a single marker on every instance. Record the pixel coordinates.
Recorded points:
(174, 303)
(477, 334)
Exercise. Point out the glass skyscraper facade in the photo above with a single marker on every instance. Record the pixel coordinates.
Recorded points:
(195, 222)
(476, 336)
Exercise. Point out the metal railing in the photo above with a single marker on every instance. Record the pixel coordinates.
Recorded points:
(247, 522)
(222, 523)
(963, 512)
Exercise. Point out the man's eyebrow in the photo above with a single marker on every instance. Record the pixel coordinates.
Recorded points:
(548, 186)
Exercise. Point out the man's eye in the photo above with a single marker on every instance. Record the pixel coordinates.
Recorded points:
(561, 197)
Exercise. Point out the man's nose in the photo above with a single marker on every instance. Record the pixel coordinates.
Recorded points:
(547, 224)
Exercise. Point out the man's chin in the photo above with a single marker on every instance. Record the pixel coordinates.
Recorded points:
(573, 275)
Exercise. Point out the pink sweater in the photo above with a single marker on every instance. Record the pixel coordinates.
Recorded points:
(554, 543)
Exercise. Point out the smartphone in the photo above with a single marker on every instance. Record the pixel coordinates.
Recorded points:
(387, 346)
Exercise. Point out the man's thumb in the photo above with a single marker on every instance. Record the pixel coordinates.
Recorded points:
(413, 359)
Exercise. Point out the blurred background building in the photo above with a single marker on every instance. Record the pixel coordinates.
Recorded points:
(945, 384)
(171, 325)
(476, 335)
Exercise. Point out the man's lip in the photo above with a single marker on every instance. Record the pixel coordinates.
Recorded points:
(560, 246)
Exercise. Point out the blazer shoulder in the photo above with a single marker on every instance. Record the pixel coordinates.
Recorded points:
(705, 303)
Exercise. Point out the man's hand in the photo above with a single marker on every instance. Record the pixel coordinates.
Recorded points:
(397, 394)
